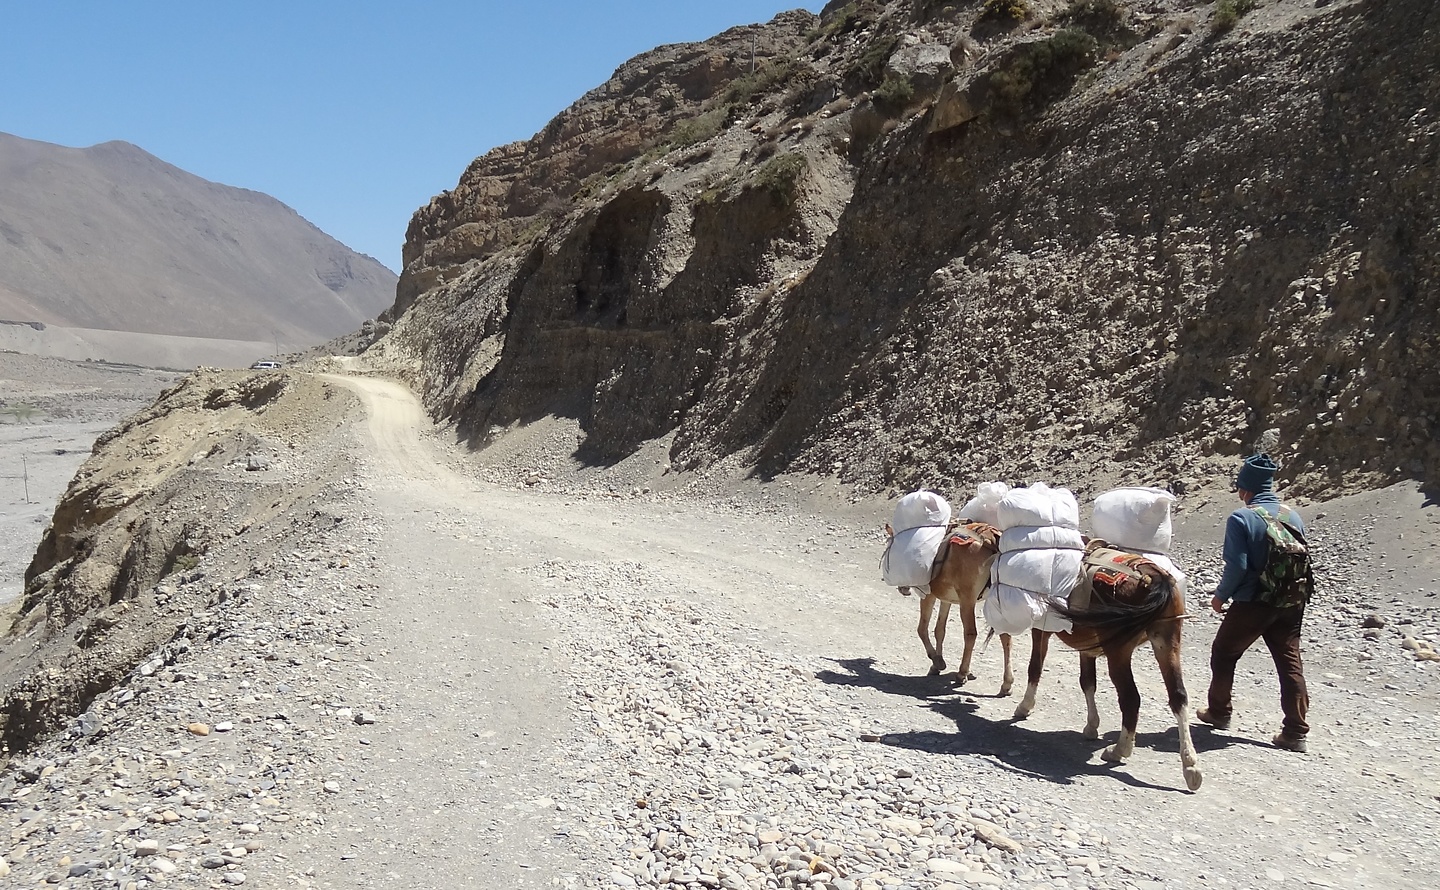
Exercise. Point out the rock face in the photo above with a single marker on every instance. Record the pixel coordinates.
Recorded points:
(1110, 242)
(112, 238)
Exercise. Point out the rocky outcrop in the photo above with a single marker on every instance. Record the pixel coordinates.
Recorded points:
(1105, 243)
(123, 564)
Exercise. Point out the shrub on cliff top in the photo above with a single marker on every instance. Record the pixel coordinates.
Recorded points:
(894, 95)
(781, 175)
(1000, 10)
(1096, 16)
(766, 78)
(1042, 70)
(870, 67)
(1228, 12)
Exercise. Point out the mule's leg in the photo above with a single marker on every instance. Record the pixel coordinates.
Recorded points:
(1039, 643)
(1123, 677)
(967, 618)
(1167, 653)
(1087, 685)
(942, 621)
(1009, 681)
(927, 606)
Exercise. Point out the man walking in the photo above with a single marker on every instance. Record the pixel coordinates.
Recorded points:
(1248, 619)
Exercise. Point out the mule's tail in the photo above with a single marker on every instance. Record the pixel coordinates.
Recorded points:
(1114, 620)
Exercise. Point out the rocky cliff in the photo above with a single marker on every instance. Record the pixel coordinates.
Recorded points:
(925, 242)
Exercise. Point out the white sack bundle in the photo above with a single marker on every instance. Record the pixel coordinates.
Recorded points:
(1051, 572)
(1039, 505)
(1040, 537)
(1135, 519)
(1010, 610)
(984, 507)
(919, 525)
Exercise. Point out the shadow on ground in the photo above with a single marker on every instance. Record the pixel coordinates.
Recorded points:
(1059, 756)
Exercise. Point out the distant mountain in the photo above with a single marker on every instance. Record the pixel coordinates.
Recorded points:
(111, 237)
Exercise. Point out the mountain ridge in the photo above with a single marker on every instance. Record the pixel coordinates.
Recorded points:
(113, 237)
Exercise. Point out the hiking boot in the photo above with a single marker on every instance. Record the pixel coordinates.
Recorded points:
(1204, 716)
(1289, 743)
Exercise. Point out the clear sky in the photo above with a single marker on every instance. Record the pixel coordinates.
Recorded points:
(353, 113)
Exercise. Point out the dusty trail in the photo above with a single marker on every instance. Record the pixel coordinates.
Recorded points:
(472, 768)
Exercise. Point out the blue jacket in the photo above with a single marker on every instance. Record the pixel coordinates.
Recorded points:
(1246, 548)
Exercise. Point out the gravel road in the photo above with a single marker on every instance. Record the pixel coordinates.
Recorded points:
(473, 671)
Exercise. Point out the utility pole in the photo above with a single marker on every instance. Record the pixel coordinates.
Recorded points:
(753, 39)
(26, 465)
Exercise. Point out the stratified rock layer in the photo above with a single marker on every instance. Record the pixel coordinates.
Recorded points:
(1103, 244)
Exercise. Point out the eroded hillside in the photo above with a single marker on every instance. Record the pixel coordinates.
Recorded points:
(917, 242)
(221, 461)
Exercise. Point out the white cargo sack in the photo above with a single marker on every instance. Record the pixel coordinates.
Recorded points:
(919, 525)
(1135, 519)
(984, 507)
(1039, 537)
(1010, 610)
(1039, 505)
(1050, 572)
(1041, 549)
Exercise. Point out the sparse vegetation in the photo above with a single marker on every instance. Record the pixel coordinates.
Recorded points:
(850, 17)
(1228, 13)
(1005, 10)
(1096, 16)
(1042, 70)
(699, 128)
(1102, 19)
(894, 95)
(870, 68)
(726, 108)
(766, 78)
(781, 175)
(933, 9)
(184, 563)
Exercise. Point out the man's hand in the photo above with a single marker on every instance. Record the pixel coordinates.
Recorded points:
(1218, 605)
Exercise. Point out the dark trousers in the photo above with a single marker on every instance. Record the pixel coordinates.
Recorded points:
(1280, 628)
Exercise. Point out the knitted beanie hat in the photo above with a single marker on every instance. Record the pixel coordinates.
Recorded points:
(1257, 474)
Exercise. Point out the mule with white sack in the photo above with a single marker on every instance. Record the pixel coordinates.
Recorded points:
(1119, 599)
(947, 562)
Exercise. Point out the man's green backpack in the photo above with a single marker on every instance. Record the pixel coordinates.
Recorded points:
(1287, 579)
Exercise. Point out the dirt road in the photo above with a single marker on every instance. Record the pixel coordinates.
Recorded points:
(463, 671)
(461, 561)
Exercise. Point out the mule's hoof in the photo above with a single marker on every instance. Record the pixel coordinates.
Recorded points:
(1111, 755)
(1022, 712)
(1004, 691)
(1090, 732)
(936, 670)
(1193, 778)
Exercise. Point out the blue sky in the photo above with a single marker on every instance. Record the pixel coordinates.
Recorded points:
(353, 113)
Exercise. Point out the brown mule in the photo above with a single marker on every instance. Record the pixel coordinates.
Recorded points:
(1131, 600)
(962, 572)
